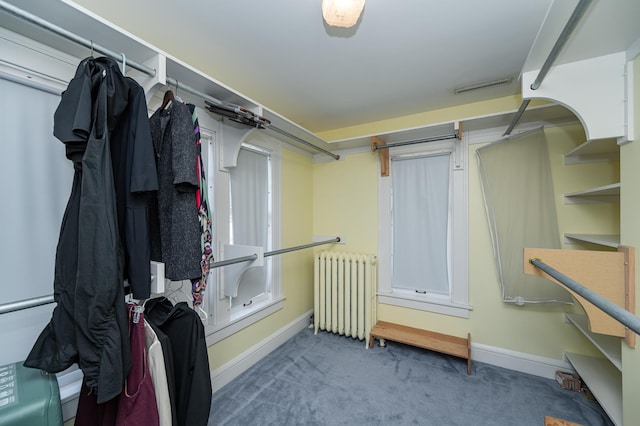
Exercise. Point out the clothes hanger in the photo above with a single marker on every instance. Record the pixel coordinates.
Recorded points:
(168, 97)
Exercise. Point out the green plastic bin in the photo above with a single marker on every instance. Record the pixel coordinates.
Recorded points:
(28, 397)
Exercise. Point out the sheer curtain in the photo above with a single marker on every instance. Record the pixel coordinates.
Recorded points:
(420, 210)
(518, 192)
(250, 215)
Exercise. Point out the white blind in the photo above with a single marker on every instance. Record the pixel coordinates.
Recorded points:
(36, 182)
(420, 221)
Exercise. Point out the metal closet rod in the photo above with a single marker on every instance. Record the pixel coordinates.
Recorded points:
(271, 253)
(432, 139)
(570, 26)
(89, 44)
(45, 300)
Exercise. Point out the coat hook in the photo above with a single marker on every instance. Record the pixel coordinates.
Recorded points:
(91, 48)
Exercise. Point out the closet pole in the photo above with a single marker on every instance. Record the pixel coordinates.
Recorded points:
(271, 253)
(118, 56)
(570, 26)
(432, 139)
(28, 17)
(26, 304)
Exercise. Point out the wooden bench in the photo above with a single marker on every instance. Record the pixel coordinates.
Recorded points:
(451, 345)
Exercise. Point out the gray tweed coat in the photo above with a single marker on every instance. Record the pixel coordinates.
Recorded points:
(175, 228)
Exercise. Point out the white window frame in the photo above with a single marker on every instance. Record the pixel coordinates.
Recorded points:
(457, 303)
(222, 320)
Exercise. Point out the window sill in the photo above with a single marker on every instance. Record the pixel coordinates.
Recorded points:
(217, 333)
(425, 303)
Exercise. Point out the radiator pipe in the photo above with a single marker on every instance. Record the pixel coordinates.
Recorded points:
(623, 316)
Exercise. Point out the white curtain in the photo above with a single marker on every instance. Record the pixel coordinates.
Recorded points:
(250, 215)
(420, 215)
(518, 192)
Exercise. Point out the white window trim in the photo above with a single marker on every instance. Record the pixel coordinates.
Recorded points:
(458, 303)
(221, 322)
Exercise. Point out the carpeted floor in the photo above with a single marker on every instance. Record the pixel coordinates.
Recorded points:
(328, 379)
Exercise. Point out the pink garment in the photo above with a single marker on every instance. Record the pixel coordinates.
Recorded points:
(137, 405)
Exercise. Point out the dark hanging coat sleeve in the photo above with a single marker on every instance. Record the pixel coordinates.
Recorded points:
(144, 179)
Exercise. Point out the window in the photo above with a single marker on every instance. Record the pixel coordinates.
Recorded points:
(250, 221)
(246, 194)
(423, 226)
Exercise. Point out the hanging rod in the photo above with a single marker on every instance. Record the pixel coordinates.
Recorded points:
(433, 139)
(625, 317)
(302, 141)
(26, 304)
(271, 253)
(570, 26)
(26, 16)
(89, 44)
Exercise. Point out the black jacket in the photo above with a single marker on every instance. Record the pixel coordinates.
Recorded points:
(89, 323)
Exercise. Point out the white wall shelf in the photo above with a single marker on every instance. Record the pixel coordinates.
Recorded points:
(608, 240)
(594, 151)
(604, 381)
(602, 194)
(610, 346)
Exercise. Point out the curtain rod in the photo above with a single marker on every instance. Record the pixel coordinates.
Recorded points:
(623, 316)
(271, 253)
(89, 44)
(433, 139)
(570, 26)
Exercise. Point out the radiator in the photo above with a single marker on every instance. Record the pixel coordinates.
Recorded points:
(344, 294)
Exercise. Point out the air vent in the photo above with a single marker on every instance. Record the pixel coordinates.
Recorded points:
(482, 85)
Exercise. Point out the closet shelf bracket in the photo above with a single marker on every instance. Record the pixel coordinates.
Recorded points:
(610, 275)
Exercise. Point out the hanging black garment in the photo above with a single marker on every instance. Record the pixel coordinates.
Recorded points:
(89, 323)
(190, 360)
(176, 237)
(134, 170)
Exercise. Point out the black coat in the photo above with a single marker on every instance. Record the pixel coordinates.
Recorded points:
(89, 323)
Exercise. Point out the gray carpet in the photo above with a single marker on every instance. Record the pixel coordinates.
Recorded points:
(327, 379)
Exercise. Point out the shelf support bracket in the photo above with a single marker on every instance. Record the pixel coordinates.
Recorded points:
(383, 154)
(611, 275)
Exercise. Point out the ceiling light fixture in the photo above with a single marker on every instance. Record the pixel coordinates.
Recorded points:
(342, 13)
(483, 84)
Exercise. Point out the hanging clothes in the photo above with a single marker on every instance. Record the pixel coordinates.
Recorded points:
(137, 403)
(158, 370)
(190, 359)
(134, 170)
(202, 204)
(89, 323)
(175, 238)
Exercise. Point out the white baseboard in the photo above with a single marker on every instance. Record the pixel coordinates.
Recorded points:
(518, 361)
(232, 369)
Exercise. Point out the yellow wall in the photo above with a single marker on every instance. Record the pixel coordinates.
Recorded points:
(345, 200)
(630, 234)
(297, 266)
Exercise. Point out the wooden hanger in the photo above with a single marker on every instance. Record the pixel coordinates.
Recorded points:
(168, 97)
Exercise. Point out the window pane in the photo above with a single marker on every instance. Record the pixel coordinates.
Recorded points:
(250, 219)
(420, 215)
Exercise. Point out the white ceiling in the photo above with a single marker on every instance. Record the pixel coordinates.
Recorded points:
(403, 57)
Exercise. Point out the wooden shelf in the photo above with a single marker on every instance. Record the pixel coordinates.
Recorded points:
(602, 194)
(608, 240)
(609, 346)
(593, 151)
(603, 380)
